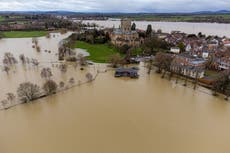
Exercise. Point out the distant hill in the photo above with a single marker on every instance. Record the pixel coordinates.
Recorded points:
(212, 12)
(60, 12)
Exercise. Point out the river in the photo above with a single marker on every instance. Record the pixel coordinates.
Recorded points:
(144, 115)
(190, 28)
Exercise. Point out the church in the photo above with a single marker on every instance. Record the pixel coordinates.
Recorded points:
(124, 35)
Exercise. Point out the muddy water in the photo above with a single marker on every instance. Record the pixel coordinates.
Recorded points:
(24, 46)
(119, 116)
(21, 73)
(205, 28)
(110, 115)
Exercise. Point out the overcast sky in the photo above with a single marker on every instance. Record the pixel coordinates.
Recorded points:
(115, 5)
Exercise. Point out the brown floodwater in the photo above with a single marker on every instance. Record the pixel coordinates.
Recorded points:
(109, 115)
(114, 115)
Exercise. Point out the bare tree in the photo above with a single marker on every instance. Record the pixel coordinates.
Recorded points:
(71, 81)
(46, 73)
(81, 59)
(9, 59)
(75, 65)
(48, 35)
(34, 62)
(63, 68)
(27, 60)
(61, 84)
(89, 76)
(114, 60)
(22, 58)
(163, 62)
(11, 97)
(149, 66)
(4, 103)
(28, 91)
(6, 69)
(50, 87)
(38, 48)
(35, 41)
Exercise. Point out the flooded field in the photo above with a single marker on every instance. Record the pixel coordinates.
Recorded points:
(109, 115)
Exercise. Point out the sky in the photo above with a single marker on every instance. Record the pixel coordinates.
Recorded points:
(131, 6)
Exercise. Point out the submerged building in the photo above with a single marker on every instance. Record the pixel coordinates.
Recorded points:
(124, 35)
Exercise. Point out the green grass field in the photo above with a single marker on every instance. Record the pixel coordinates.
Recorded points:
(24, 34)
(212, 74)
(1, 18)
(177, 18)
(98, 52)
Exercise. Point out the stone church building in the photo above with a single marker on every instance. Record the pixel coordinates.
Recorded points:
(124, 35)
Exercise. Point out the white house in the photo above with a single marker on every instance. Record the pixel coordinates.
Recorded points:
(175, 50)
(205, 54)
(188, 48)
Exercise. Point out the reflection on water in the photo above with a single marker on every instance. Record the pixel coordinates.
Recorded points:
(195, 28)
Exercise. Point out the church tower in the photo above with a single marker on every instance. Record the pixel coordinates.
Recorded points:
(126, 25)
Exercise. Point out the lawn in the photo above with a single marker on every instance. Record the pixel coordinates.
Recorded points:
(1, 18)
(24, 34)
(98, 52)
(212, 74)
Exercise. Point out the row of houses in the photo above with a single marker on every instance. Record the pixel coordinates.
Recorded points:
(201, 49)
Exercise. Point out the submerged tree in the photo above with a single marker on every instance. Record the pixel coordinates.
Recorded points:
(61, 84)
(46, 73)
(81, 59)
(4, 103)
(9, 59)
(89, 76)
(10, 97)
(50, 87)
(34, 62)
(35, 40)
(6, 69)
(28, 91)
(114, 60)
(22, 58)
(222, 84)
(163, 62)
(63, 68)
(149, 66)
(71, 81)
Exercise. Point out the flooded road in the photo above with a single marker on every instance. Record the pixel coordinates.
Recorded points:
(119, 115)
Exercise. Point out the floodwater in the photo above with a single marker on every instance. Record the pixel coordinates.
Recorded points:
(120, 116)
(111, 115)
(190, 28)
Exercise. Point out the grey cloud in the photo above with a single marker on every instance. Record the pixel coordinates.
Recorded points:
(115, 5)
